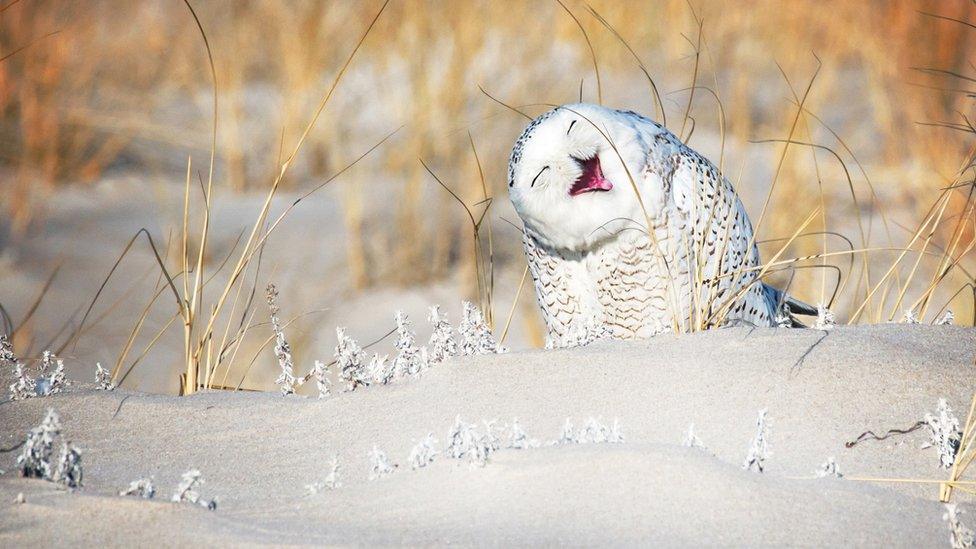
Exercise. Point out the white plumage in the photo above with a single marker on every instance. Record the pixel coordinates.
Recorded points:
(630, 233)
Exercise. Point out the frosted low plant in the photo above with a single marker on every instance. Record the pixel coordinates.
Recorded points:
(34, 460)
(7, 357)
(829, 469)
(24, 386)
(331, 481)
(909, 317)
(349, 360)
(70, 472)
(379, 465)
(945, 432)
(692, 440)
(142, 488)
(424, 452)
(286, 379)
(103, 378)
(380, 369)
(52, 383)
(465, 442)
(518, 439)
(476, 338)
(568, 434)
(946, 320)
(489, 438)
(442, 344)
(410, 360)
(592, 432)
(461, 439)
(960, 537)
(825, 318)
(580, 333)
(57, 381)
(320, 372)
(759, 451)
(186, 491)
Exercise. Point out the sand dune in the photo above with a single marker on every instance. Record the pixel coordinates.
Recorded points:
(257, 451)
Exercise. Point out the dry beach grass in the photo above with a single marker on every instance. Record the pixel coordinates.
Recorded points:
(357, 153)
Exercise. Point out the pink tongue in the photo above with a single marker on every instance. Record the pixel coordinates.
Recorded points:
(591, 180)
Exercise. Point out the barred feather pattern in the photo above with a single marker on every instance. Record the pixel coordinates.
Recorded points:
(644, 282)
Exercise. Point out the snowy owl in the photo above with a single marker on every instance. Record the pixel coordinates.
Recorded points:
(630, 233)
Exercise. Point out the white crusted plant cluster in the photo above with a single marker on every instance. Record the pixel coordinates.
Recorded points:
(55, 382)
(349, 359)
(103, 378)
(475, 335)
(412, 360)
(825, 318)
(945, 432)
(23, 386)
(70, 472)
(379, 465)
(442, 344)
(946, 320)
(568, 433)
(474, 444)
(34, 460)
(7, 357)
(960, 537)
(829, 469)
(518, 439)
(143, 488)
(592, 432)
(581, 332)
(320, 373)
(759, 451)
(186, 491)
(909, 317)
(331, 481)
(286, 379)
(354, 367)
(379, 370)
(50, 378)
(424, 452)
(465, 442)
(691, 439)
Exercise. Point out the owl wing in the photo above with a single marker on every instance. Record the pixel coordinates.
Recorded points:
(565, 291)
(712, 224)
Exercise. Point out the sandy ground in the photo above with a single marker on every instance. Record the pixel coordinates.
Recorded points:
(257, 451)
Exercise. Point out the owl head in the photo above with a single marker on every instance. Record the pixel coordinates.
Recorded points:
(571, 171)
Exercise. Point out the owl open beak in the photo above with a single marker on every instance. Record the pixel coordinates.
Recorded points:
(591, 180)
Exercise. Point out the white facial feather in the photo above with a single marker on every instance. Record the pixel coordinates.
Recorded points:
(546, 163)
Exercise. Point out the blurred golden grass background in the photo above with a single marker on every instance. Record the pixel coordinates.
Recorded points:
(92, 88)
